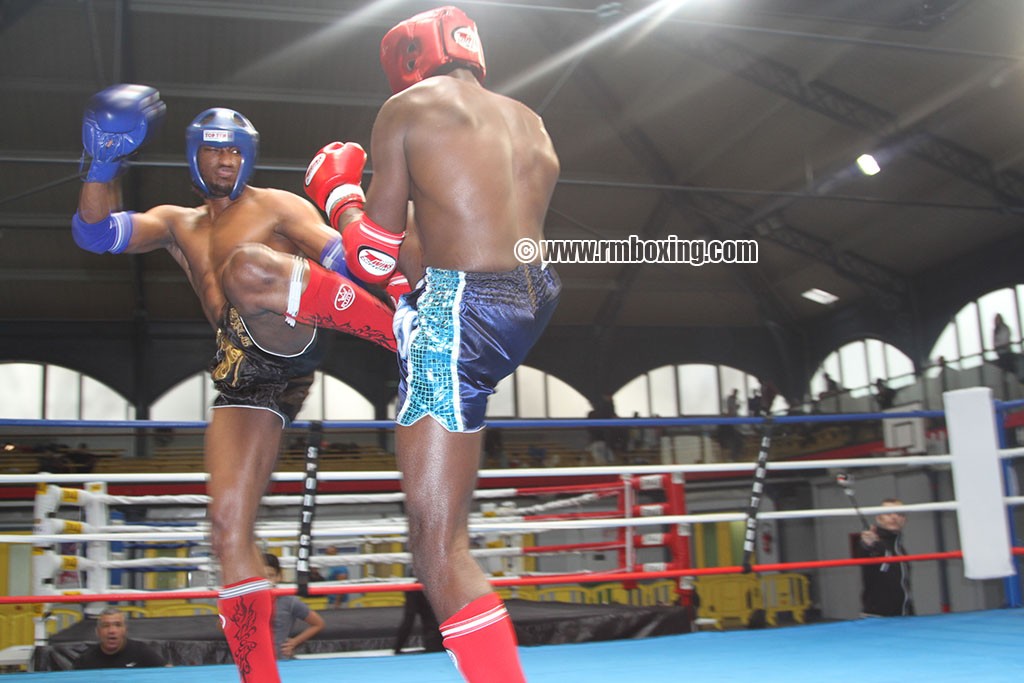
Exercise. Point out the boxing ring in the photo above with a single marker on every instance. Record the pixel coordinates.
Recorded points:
(941, 649)
(538, 535)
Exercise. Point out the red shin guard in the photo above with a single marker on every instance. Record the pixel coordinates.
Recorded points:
(482, 643)
(332, 300)
(245, 611)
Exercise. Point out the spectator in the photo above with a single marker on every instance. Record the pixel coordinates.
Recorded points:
(114, 649)
(336, 573)
(832, 387)
(732, 404)
(729, 438)
(754, 406)
(601, 438)
(1006, 358)
(884, 394)
(289, 609)
(886, 587)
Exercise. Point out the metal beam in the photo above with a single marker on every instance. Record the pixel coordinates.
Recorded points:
(657, 223)
(838, 105)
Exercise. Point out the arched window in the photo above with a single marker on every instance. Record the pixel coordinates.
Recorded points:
(966, 342)
(858, 365)
(329, 399)
(530, 393)
(34, 391)
(689, 389)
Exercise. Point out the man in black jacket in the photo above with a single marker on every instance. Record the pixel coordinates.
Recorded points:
(886, 590)
(114, 650)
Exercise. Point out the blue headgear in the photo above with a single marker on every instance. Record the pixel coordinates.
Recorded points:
(219, 127)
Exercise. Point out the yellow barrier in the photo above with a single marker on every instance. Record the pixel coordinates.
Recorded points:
(517, 592)
(729, 598)
(17, 625)
(735, 597)
(785, 593)
(389, 599)
(569, 593)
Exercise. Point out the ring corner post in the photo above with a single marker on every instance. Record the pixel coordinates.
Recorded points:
(977, 479)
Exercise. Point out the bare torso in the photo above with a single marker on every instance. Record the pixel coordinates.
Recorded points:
(203, 238)
(478, 166)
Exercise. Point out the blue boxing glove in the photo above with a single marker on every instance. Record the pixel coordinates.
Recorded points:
(116, 123)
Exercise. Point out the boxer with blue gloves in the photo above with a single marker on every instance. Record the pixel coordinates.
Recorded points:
(253, 256)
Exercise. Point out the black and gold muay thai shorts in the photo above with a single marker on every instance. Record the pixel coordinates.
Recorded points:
(248, 376)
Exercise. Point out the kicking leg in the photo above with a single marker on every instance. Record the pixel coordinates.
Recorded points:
(272, 291)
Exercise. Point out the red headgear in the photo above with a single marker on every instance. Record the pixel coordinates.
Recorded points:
(419, 46)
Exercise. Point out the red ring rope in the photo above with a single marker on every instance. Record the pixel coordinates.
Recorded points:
(519, 581)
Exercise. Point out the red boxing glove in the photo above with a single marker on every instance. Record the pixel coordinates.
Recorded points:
(333, 177)
(371, 252)
(397, 285)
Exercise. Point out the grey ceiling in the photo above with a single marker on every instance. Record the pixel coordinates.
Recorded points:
(700, 119)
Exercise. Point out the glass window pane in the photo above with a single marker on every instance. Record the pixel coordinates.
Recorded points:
(342, 402)
(62, 399)
(732, 379)
(855, 371)
(946, 347)
(699, 388)
(531, 400)
(901, 368)
(969, 335)
(313, 407)
(183, 402)
(663, 391)
(22, 397)
(502, 402)
(100, 402)
(633, 397)
(876, 360)
(567, 402)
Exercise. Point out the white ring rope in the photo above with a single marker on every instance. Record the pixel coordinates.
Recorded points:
(199, 477)
(207, 562)
(321, 499)
(1008, 453)
(480, 526)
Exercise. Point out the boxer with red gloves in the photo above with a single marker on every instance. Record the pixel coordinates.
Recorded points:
(479, 169)
(333, 183)
(255, 271)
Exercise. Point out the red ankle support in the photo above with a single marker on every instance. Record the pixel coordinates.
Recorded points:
(332, 300)
(245, 611)
(482, 642)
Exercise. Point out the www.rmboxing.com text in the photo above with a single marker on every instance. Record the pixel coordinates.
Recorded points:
(636, 250)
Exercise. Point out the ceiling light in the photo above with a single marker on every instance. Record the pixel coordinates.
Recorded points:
(867, 164)
(820, 296)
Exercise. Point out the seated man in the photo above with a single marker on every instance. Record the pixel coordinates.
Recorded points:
(114, 650)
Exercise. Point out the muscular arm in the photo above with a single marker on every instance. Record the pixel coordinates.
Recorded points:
(150, 230)
(389, 192)
(301, 223)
